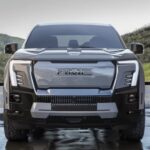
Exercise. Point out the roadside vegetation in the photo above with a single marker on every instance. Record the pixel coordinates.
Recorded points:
(3, 61)
(147, 71)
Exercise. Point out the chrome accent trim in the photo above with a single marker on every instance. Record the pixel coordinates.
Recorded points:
(20, 83)
(40, 110)
(19, 76)
(32, 82)
(115, 81)
(75, 92)
(136, 73)
(43, 110)
(13, 78)
(107, 107)
(19, 80)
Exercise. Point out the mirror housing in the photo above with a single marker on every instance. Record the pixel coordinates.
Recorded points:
(137, 48)
(11, 48)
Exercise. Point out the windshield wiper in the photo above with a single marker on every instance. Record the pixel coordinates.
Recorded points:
(86, 47)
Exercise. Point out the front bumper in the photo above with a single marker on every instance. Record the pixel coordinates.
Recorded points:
(103, 110)
(117, 110)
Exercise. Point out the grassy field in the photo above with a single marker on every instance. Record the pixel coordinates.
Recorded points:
(147, 71)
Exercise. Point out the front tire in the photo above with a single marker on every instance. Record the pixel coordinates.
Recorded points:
(11, 131)
(38, 133)
(136, 132)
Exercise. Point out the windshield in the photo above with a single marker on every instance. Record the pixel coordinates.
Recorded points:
(74, 36)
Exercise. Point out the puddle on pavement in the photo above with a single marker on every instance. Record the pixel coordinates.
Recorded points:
(74, 140)
(77, 139)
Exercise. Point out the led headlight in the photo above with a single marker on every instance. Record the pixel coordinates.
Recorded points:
(126, 74)
(20, 73)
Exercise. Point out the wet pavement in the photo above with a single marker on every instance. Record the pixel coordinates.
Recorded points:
(77, 139)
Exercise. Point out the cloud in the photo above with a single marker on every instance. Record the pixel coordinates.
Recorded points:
(19, 16)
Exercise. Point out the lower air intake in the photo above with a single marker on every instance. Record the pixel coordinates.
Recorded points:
(73, 103)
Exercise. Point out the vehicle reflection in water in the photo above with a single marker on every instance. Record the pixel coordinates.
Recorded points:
(75, 140)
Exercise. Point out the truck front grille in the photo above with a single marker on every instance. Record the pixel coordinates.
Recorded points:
(74, 107)
(73, 99)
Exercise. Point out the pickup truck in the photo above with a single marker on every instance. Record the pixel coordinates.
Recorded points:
(74, 75)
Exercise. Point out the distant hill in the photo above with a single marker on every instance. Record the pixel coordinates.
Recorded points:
(141, 35)
(4, 39)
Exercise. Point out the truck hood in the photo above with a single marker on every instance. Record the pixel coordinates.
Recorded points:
(74, 55)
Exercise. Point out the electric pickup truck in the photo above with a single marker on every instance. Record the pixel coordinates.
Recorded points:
(74, 75)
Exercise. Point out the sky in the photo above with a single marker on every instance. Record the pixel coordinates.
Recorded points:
(18, 17)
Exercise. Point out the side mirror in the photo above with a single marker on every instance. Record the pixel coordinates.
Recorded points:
(137, 48)
(11, 48)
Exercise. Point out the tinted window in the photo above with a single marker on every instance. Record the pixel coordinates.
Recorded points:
(73, 36)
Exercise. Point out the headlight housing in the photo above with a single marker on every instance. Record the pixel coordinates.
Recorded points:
(20, 73)
(127, 74)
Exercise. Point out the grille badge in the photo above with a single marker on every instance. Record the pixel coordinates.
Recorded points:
(74, 72)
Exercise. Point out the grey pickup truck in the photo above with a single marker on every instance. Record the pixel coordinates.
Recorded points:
(74, 75)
